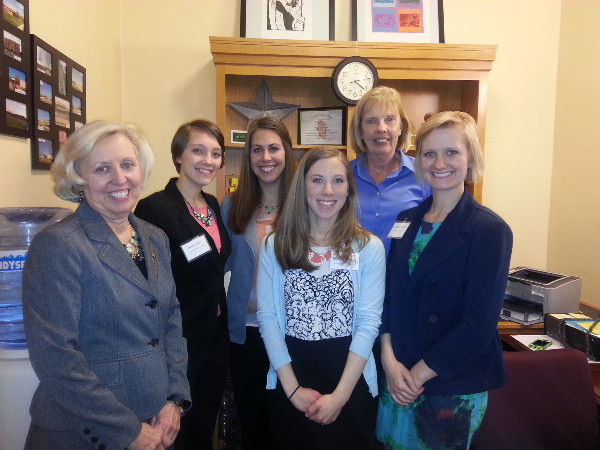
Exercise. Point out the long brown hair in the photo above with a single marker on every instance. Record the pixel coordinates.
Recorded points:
(248, 194)
(292, 232)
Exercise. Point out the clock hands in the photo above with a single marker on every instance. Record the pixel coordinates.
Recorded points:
(361, 79)
(359, 85)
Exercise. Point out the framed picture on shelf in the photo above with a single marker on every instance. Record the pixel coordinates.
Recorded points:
(410, 21)
(322, 126)
(298, 19)
(15, 73)
(58, 101)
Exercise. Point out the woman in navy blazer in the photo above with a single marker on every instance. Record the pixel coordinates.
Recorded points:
(102, 320)
(446, 277)
(199, 247)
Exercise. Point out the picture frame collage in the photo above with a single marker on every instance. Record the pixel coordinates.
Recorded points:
(42, 91)
(410, 21)
(15, 69)
(59, 101)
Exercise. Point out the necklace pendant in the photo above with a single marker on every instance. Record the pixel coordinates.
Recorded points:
(269, 209)
(317, 258)
(134, 246)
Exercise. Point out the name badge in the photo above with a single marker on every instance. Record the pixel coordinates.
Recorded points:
(336, 263)
(398, 230)
(195, 248)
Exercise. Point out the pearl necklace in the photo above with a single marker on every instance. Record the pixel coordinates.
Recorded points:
(206, 220)
(134, 246)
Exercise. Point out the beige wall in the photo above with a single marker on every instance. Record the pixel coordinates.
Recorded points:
(574, 241)
(90, 33)
(168, 74)
(521, 99)
(149, 62)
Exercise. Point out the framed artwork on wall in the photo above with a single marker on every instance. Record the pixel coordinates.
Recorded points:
(58, 102)
(15, 72)
(295, 19)
(411, 21)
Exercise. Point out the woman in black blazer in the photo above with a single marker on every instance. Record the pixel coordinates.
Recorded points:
(199, 248)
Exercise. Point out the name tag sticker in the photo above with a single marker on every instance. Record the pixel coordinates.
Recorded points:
(398, 230)
(195, 248)
(335, 263)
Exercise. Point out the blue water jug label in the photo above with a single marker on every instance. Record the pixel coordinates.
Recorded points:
(12, 260)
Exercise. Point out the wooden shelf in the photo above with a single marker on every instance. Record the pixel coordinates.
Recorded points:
(430, 78)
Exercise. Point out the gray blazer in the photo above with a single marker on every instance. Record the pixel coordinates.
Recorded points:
(104, 341)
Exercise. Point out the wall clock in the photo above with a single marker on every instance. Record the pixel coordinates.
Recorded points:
(352, 78)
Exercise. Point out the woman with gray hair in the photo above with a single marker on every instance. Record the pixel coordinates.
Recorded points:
(102, 320)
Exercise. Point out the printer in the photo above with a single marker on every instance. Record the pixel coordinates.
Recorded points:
(531, 293)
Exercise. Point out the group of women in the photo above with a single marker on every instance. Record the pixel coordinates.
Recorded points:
(131, 331)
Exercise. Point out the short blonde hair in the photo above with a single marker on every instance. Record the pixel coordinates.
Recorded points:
(66, 169)
(464, 122)
(386, 96)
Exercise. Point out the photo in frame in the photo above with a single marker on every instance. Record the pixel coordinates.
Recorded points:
(409, 21)
(58, 101)
(322, 126)
(16, 85)
(299, 19)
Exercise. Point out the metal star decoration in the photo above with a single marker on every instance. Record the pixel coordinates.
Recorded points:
(263, 105)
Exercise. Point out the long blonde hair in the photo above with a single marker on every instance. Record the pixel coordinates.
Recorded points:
(292, 232)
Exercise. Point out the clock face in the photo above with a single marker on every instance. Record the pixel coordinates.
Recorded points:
(354, 78)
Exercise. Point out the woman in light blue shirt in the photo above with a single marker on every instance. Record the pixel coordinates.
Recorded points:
(320, 288)
(384, 174)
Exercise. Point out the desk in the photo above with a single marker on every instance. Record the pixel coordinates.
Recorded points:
(514, 344)
(506, 327)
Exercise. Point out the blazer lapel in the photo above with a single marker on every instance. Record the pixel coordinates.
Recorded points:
(190, 223)
(110, 250)
(449, 237)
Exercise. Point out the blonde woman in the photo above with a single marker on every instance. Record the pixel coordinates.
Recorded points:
(445, 285)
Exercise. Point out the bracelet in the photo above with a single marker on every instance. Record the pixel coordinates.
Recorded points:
(292, 394)
(179, 405)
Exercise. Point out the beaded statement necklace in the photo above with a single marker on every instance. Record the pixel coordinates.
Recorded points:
(317, 258)
(134, 246)
(206, 220)
(268, 209)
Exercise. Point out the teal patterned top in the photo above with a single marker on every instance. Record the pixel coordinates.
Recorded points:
(426, 232)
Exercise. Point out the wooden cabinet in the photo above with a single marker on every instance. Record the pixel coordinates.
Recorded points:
(430, 78)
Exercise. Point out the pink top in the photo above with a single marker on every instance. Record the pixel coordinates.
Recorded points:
(213, 229)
